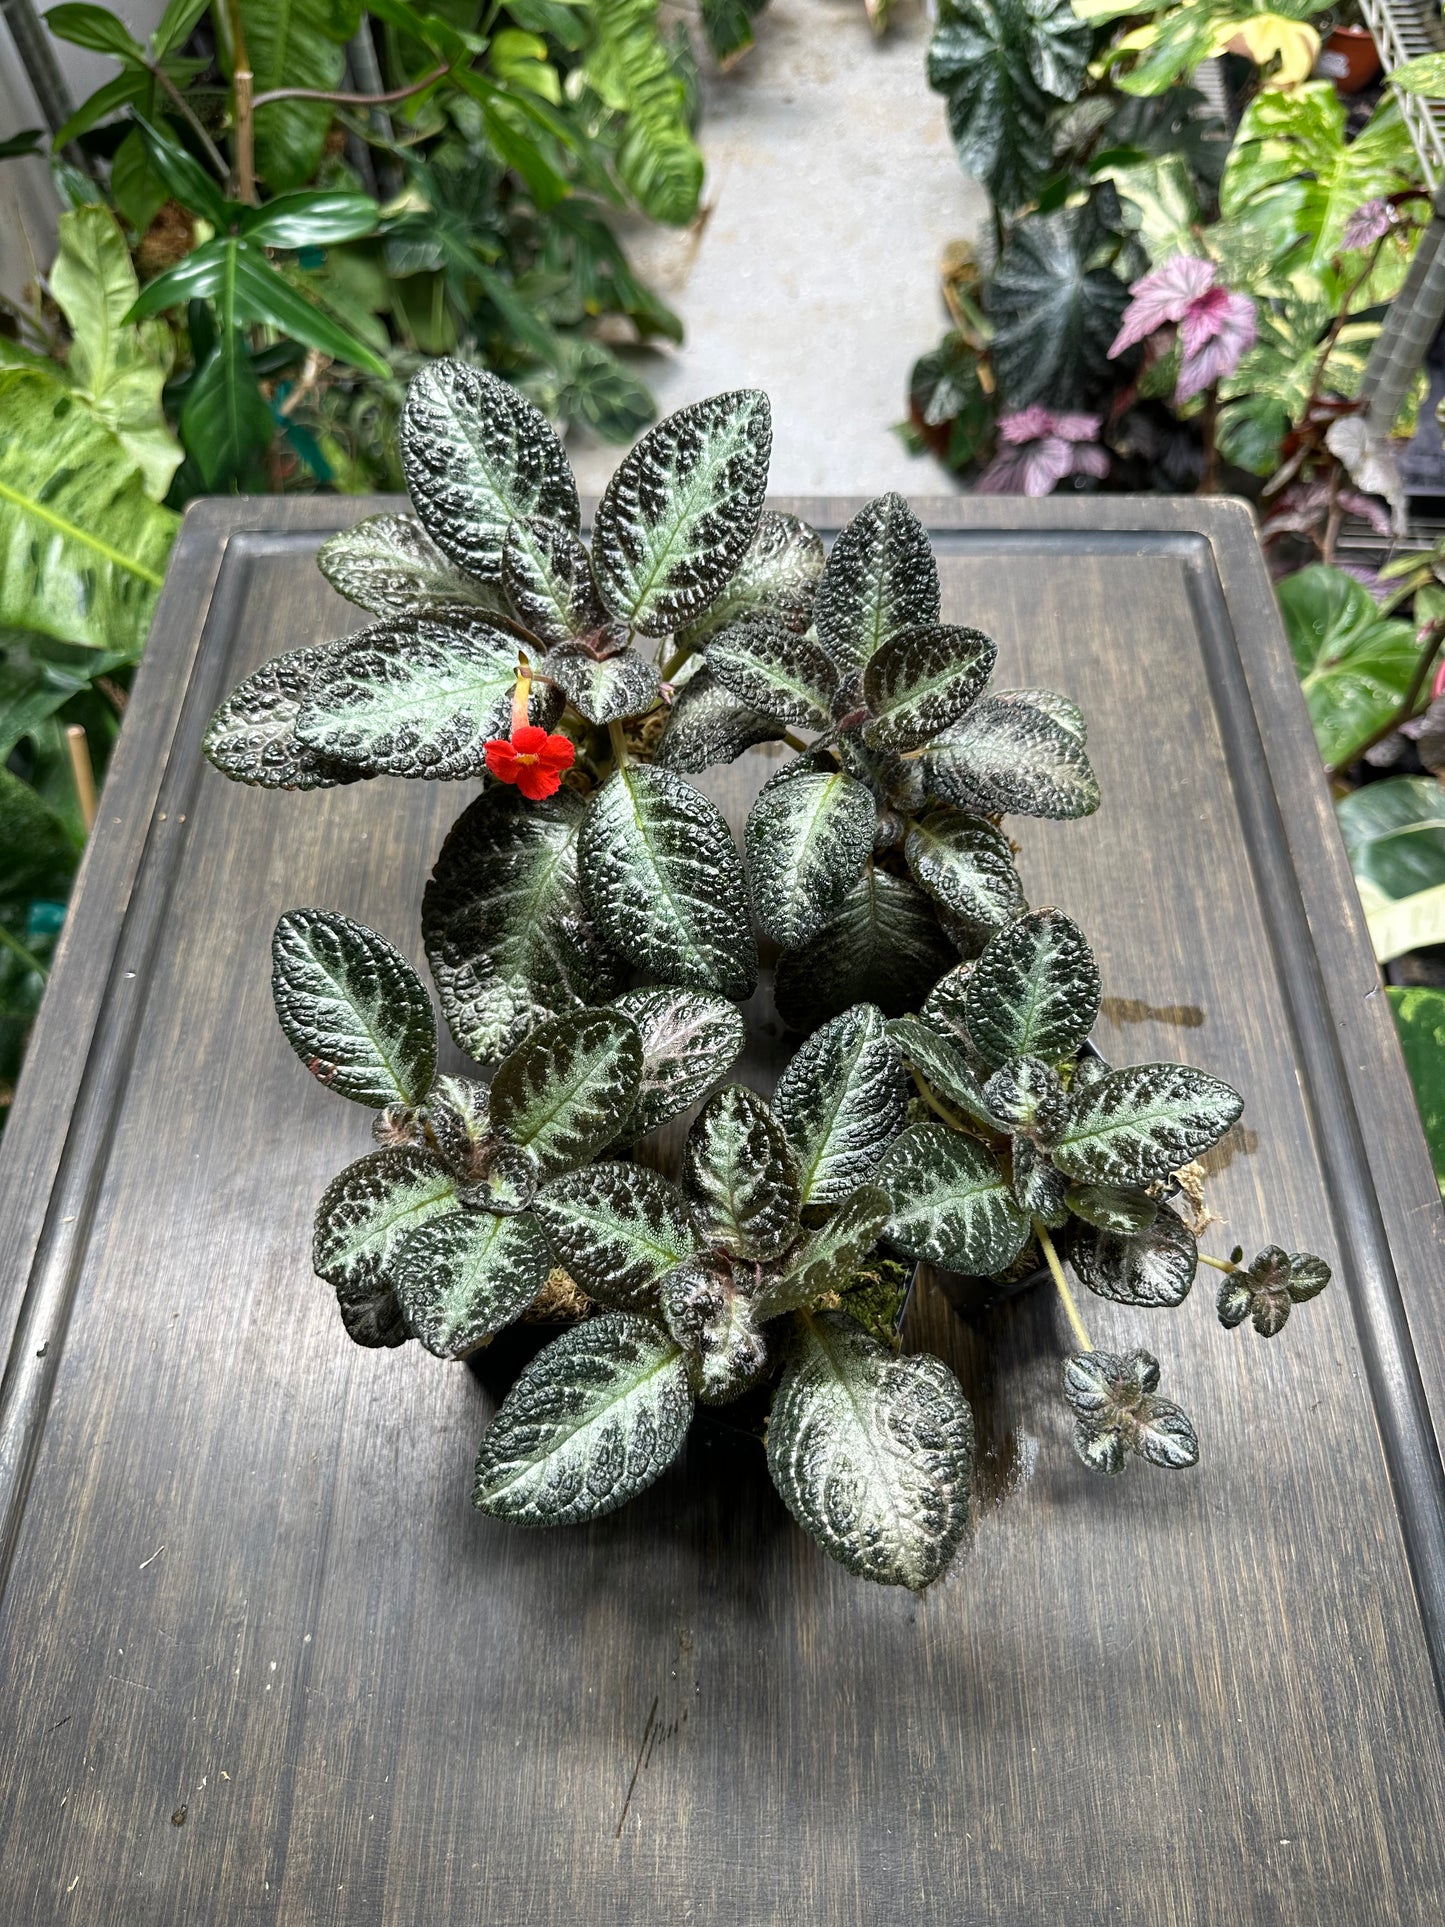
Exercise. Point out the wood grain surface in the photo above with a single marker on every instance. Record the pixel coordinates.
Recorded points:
(263, 1663)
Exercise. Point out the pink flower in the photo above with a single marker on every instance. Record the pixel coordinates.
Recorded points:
(1216, 328)
(1039, 450)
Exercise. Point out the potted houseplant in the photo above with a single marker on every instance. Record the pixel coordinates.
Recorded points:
(593, 931)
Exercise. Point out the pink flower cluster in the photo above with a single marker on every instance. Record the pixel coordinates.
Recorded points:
(1216, 328)
(1040, 449)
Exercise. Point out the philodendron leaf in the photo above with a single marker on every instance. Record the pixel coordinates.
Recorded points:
(565, 1090)
(1010, 757)
(477, 455)
(616, 1229)
(711, 1317)
(778, 577)
(461, 1278)
(941, 1059)
(840, 1103)
(808, 835)
(603, 689)
(740, 1177)
(709, 725)
(507, 940)
(1141, 1123)
(664, 883)
(883, 947)
(1035, 990)
(360, 1223)
(824, 1261)
(353, 1009)
(921, 680)
(952, 1204)
(775, 671)
(1155, 1266)
(390, 565)
(252, 736)
(967, 867)
(548, 581)
(880, 578)
(595, 1418)
(1121, 1211)
(416, 697)
(689, 1040)
(872, 1454)
(681, 512)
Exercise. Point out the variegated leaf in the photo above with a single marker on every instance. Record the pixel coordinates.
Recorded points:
(883, 947)
(461, 1278)
(565, 1090)
(1027, 1095)
(840, 1103)
(1037, 1186)
(1141, 1123)
(1008, 757)
(809, 833)
(595, 1418)
(689, 1039)
(1119, 1411)
(459, 1125)
(353, 1009)
(603, 689)
(506, 936)
(707, 724)
(547, 580)
(941, 1058)
(880, 577)
(711, 1317)
(1122, 1211)
(943, 1007)
(825, 1260)
(616, 1229)
(871, 1453)
(775, 671)
(662, 877)
(1153, 1267)
(681, 512)
(778, 576)
(740, 1177)
(477, 455)
(361, 1220)
(921, 680)
(1060, 709)
(252, 736)
(389, 565)
(1035, 990)
(967, 867)
(952, 1204)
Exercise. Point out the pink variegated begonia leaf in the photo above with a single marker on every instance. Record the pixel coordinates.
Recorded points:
(1369, 223)
(1162, 296)
(1025, 425)
(1216, 334)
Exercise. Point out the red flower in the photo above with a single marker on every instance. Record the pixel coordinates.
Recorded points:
(533, 760)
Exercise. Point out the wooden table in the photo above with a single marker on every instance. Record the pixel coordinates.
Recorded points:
(261, 1661)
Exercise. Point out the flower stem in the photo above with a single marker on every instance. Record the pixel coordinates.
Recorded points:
(1051, 1259)
(1218, 1264)
(795, 742)
(521, 699)
(619, 744)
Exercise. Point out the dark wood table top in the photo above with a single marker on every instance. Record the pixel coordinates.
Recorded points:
(262, 1661)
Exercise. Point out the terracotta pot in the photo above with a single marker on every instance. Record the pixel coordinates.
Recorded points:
(1350, 59)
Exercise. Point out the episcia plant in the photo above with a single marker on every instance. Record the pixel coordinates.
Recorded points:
(593, 932)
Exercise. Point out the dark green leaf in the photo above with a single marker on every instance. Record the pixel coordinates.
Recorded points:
(295, 43)
(310, 219)
(840, 1103)
(689, 1040)
(809, 834)
(1153, 1267)
(775, 671)
(740, 1176)
(921, 680)
(564, 1091)
(360, 1223)
(1027, 1096)
(1035, 990)
(548, 581)
(390, 565)
(712, 1318)
(617, 1229)
(709, 725)
(183, 177)
(1037, 1186)
(460, 1278)
(943, 1059)
(967, 867)
(603, 689)
(880, 578)
(1420, 1020)
(1354, 664)
(252, 736)
(884, 947)
(952, 1204)
(1126, 1212)
(95, 28)
(1055, 308)
(458, 1123)
(824, 1262)
(778, 577)
(226, 422)
(353, 1009)
(1395, 834)
(1143, 1122)
(1009, 756)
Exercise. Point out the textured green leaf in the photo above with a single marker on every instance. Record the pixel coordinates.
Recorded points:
(1143, 1122)
(507, 940)
(945, 1005)
(840, 1103)
(459, 1125)
(709, 725)
(477, 455)
(461, 1278)
(711, 1317)
(921, 680)
(952, 1204)
(664, 882)
(1009, 757)
(1354, 664)
(967, 867)
(824, 1262)
(390, 565)
(548, 581)
(603, 688)
(595, 1418)
(681, 512)
(616, 1229)
(1026, 1094)
(944, 1062)
(1055, 305)
(1126, 1212)
(353, 1009)
(1119, 1411)
(738, 1172)
(809, 833)
(360, 1223)
(880, 577)
(775, 671)
(777, 577)
(1153, 1267)
(884, 947)
(689, 1040)
(252, 736)
(565, 1090)
(1037, 1187)
(1035, 990)
(872, 1454)
(417, 696)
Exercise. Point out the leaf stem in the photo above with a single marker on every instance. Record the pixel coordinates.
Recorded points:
(618, 741)
(795, 742)
(213, 153)
(26, 957)
(1218, 1264)
(1051, 1259)
(349, 100)
(951, 1118)
(674, 663)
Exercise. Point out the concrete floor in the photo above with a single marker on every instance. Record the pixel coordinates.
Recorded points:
(833, 189)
